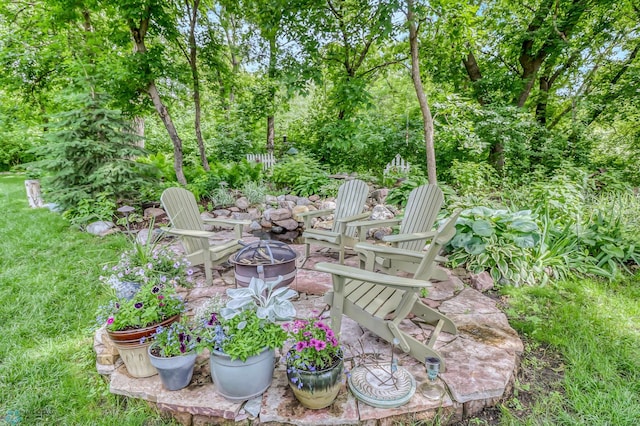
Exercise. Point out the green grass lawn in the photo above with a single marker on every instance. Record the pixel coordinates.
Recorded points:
(50, 291)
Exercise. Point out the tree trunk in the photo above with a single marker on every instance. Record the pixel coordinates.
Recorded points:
(34, 195)
(138, 129)
(173, 133)
(427, 119)
(196, 84)
(138, 34)
(271, 130)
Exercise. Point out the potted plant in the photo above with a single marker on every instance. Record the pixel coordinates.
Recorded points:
(130, 321)
(242, 337)
(144, 262)
(173, 353)
(314, 363)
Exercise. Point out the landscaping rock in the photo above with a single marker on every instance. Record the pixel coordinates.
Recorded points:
(297, 210)
(293, 198)
(234, 209)
(242, 203)
(221, 212)
(271, 199)
(266, 224)
(302, 201)
(143, 236)
(380, 233)
(328, 205)
(278, 214)
(314, 198)
(380, 212)
(287, 204)
(100, 227)
(288, 224)
(241, 216)
(277, 229)
(154, 212)
(380, 195)
(254, 213)
(482, 281)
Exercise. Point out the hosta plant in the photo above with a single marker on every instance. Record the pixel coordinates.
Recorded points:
(498, 241)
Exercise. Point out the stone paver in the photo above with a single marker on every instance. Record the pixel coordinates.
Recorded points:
(481, 361)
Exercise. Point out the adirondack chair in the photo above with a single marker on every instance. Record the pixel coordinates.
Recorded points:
(381, 302)
(182, 209)
(420, 214)
(350, 203)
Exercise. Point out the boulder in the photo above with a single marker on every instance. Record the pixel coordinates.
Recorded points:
(287, 204)
(241, 216)
(271, 200)
(380, 212)
(242, 203)
(328, 205)
(379, 233)
(380, 195)
(221, 212)
(277, 230)
(154, 212)
(482, 281)
(266, 224)
(295, 212)
(100, 228)
(302, 201)
(279, 214)
(314, 198)
(288, 224)
(255, 226)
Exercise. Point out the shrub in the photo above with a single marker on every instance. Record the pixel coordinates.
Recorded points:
(88, 154)
(498, 241)
(302, 174)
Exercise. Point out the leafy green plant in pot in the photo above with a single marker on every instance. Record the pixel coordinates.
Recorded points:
(145, 262)
(242, 337)
(314, 363)
(130, 321)
(173, 353)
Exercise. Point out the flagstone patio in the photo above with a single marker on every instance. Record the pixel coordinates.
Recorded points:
(482, 361)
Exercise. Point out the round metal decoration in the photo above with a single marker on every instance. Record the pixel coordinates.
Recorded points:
(375, 385)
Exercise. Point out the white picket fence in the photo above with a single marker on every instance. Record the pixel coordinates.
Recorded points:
(398, 164)
(267, 160)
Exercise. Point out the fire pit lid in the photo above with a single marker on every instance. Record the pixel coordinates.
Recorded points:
(264, 252)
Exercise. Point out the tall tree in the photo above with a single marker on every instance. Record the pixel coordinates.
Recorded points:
(427, 118)
(142, 16)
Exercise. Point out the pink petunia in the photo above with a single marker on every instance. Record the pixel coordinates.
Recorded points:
(320, 345)
(300, 346)
(110, 320)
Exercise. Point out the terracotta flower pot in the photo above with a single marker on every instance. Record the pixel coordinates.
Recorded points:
(134, 335)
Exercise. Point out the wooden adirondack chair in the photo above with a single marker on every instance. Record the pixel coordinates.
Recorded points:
(182, 209)
(350, 203)
(380, 302)
(416, 225)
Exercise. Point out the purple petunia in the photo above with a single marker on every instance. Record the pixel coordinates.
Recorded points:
(138, 305)
(300, 346)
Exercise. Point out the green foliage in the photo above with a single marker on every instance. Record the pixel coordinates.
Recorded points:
(88, 154)
(498, 241)
(254, 191)
(302, 174)
(229, 175)
(87, 210)
(561, 196)
(399, 195)
(472, 178)
(152, 304)
(222, 197)
(179, 338)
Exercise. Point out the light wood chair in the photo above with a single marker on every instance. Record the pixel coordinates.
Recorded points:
(350, 204)
(182, 209)
(380, 302)
(420, 213)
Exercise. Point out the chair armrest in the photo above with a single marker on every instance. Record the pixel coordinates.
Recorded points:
(307, 216)
(315, 213)
(238, 225)
(189, 233)
(230, 222)
(354, 217)
(364, 226)
(409, 237)
(371, 277)
(386, 251)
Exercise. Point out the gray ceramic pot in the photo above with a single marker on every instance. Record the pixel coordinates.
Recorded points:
(175, 372)
(241, 380)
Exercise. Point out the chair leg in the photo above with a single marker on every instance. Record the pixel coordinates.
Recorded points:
(208, 271)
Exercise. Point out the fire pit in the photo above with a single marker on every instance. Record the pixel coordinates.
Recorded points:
(264, 259)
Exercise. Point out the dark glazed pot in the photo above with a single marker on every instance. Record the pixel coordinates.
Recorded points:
(316, 389)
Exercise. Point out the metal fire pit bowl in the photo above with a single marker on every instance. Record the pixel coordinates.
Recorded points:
(265, 259)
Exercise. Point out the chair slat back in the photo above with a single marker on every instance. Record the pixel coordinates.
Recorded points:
(182, 209)
(420, 214)
(351, 199)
